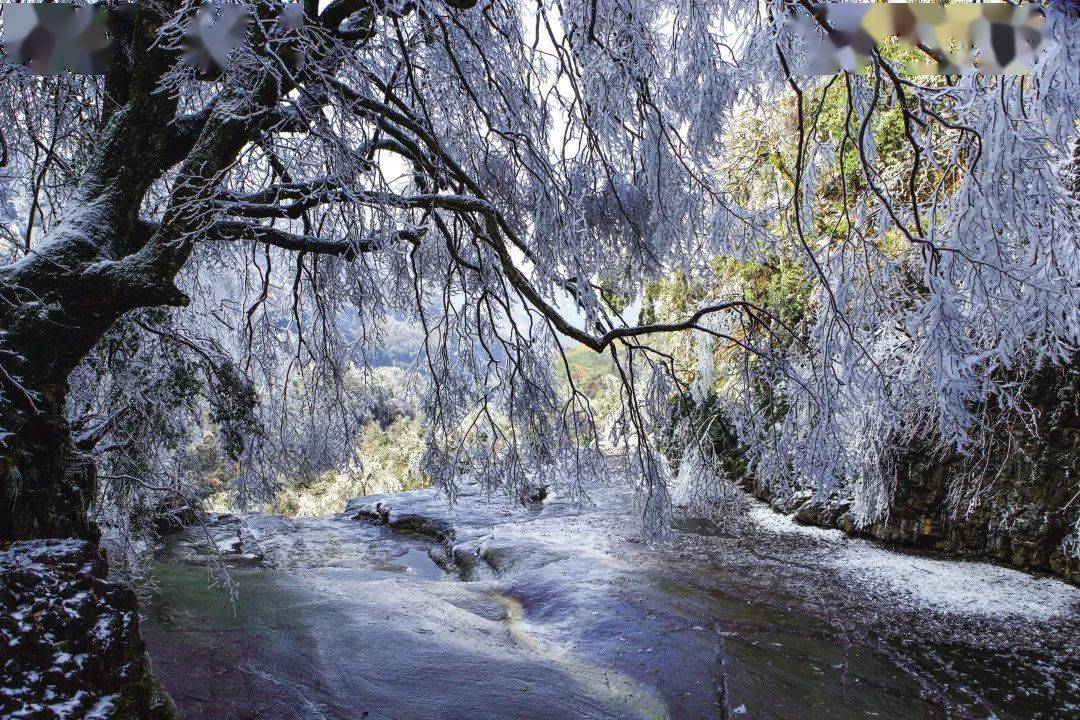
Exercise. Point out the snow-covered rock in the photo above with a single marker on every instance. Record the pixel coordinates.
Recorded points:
(214, 534)
(70, 638)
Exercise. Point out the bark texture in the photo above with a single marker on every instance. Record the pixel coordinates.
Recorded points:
(99, 263)
(46, 484)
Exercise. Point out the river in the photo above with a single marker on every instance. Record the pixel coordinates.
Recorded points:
(563, 612)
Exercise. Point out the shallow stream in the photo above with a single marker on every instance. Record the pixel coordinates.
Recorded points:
(347, 619)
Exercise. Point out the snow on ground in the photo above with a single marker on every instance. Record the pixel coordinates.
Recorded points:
(765, 518)
(972, 588)
(950, 586)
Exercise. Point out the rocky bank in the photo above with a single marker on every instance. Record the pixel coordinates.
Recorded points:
(1016, 502)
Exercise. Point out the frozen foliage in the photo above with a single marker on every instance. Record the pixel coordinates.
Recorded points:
(913, 344)
(7, 199)
(494, 176)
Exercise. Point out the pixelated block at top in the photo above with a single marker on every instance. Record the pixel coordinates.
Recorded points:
(992, 38)
(212, 35)
(54, 38)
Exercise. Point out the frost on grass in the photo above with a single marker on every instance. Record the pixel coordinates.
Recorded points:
(956, 586)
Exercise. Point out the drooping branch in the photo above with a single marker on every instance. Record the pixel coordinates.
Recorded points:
(321, 192)
(239, 231)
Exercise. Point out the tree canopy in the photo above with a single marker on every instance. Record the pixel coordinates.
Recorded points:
(225, 251)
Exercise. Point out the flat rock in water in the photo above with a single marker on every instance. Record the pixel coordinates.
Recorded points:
(221, 534)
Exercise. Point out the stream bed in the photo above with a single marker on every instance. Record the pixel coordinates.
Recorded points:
(402, 608)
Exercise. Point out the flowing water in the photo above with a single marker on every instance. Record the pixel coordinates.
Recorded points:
(356, 622)
(347, 619)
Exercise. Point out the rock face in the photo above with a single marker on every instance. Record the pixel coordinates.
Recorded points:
(460, 532)
(71, 639)
(1016, 504)
(581, 588)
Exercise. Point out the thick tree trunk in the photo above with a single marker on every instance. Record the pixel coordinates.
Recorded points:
(49, 321)
(59, 300)
(46, 485)
(54, 308)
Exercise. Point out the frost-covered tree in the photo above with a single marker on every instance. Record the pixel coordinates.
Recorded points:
(218, 250)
